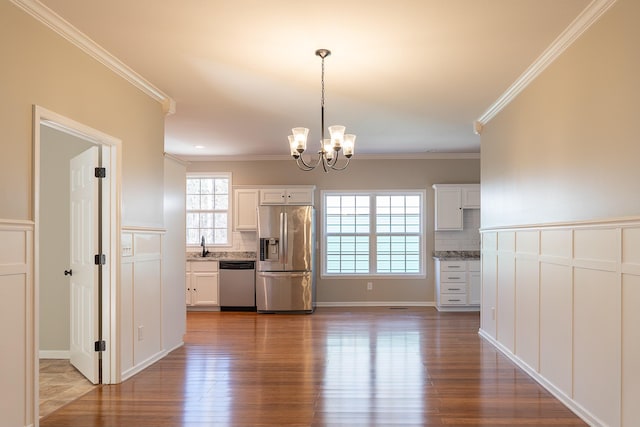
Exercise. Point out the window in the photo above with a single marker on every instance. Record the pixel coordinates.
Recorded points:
(208, 213)
(374, 233)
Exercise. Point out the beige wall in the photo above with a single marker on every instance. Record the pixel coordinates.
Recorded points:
(361, 175)
(40, 67)
(567, 148)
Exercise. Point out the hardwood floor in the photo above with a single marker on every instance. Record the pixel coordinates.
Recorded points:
(349, 367)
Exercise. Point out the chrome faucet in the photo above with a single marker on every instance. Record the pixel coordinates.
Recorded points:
(204, 248)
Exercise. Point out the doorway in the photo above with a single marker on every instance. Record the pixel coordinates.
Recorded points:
(57, 140)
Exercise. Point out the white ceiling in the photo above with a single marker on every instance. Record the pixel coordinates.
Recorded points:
(406, 76)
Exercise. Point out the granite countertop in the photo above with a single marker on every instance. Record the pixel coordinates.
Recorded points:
(217, 256)
(456, 255)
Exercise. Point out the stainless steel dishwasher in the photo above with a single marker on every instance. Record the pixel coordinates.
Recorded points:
(237, 285)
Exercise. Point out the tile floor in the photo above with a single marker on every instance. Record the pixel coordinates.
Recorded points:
(60, 383)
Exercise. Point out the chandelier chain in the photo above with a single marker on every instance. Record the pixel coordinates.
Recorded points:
(322, 106)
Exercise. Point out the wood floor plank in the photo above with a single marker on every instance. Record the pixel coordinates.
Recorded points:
(338, 366)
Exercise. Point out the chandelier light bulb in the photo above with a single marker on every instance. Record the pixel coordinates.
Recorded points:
(337, 136)
(300, 136)
(328, 148)
(349, 145)
(293, 144)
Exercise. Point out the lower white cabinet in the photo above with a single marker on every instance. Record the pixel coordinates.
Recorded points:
(475, 282)
(458, 285)
(202, 284)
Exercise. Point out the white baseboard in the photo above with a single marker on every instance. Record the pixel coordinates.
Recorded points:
(180, 344)
(143, 365)
(376, 304)
(54, 354)
(576, 408)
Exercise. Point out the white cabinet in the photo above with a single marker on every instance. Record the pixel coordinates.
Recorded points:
(245, 202)
(202, 284)
(448, 212)
(457, 285)
(287, 196)
(475, 282)
(471, 196)
(450, 202)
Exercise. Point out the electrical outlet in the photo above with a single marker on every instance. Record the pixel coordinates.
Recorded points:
(140, 335)
(369, 286)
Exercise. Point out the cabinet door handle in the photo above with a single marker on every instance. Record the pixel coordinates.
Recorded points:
(454, 289)
(454, 278)
(454, 300)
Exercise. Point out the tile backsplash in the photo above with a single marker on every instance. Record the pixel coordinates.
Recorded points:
(244, 241)
(466, 240)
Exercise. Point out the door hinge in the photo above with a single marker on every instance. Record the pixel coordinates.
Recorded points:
(101, 172)
(100, 346)
(100, 259)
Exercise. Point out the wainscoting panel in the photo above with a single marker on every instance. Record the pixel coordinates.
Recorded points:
(570, 318)
(17, 334)
(596, 341)
(141, 302)
(126, 315)
(505, 311)
(631, 346)
(556, 243)
(490, 282)
(527, 309)
(556, 324)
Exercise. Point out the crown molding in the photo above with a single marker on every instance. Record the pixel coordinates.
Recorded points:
(58, 24)
(587, 17)
(409, 156)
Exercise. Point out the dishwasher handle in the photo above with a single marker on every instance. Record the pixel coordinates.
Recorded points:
(236, 265)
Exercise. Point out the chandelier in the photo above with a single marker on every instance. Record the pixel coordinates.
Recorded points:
(329, 148)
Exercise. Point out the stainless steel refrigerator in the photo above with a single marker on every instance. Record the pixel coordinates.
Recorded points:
(285, 279)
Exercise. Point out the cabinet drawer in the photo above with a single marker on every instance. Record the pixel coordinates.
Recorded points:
(453, 299)
(453, 276)
(453, 266)
(204, 266)
(453, 288)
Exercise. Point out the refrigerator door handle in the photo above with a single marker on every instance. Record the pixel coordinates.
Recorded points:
(283, 238)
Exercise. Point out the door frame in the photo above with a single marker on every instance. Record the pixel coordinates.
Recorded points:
(111, 149)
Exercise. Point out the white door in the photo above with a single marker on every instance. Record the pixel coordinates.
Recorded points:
(84, 278)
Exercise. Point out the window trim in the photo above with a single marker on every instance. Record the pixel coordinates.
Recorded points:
(372, 234)
(228, 175)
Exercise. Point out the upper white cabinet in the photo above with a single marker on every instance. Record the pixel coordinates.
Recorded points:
(448, 208)
(245, 201)
(471, 196)
(450, 200)
(287, 196)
